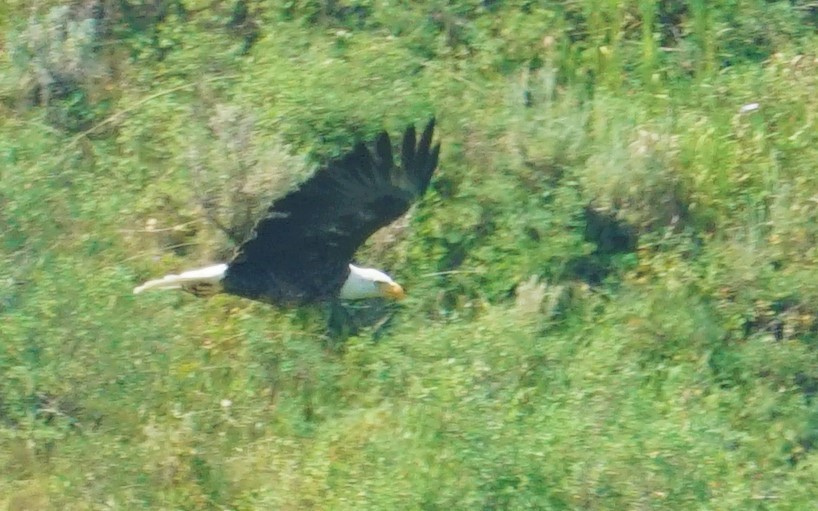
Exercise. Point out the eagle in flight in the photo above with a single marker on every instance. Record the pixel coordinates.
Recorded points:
(301, 250)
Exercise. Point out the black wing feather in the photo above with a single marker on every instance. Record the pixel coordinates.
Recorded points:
(428, 158)
(383, 153)
(308, 237)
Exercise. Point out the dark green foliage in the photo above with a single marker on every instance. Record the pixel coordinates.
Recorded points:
(612, 283)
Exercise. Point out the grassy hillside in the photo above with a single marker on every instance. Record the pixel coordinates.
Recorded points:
(613, 280)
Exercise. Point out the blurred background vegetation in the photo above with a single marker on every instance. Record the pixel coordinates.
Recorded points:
(613, 281)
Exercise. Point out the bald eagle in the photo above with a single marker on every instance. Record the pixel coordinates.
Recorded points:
(302, 249)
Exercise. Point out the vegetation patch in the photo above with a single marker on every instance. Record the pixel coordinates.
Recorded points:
(611, 281)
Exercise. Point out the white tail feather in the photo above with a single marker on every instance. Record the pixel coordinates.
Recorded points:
(209, 275)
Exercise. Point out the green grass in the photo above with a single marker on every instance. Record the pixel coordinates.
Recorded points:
(544, 359)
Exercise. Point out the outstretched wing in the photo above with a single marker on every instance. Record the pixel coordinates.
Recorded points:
(317, 227)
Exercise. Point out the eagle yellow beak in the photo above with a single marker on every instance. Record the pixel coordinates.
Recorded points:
(392, 290)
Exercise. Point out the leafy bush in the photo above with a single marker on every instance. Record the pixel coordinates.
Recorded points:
(56, 53)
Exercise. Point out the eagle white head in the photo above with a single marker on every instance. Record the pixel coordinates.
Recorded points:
(370, 283)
